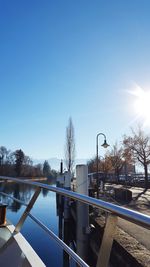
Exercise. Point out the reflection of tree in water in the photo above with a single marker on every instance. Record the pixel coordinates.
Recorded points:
(19, 191)
(16, 205)
(48, 182)
(25, 192)
(44, 192)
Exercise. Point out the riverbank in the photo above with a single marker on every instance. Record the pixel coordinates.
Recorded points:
(133, 238)
(40, 179)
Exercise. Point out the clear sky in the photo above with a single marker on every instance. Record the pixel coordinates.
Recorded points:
(77, 58)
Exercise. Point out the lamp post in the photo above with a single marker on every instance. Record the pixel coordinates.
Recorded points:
(105, 145)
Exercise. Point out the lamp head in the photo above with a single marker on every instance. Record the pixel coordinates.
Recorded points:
(105, 145)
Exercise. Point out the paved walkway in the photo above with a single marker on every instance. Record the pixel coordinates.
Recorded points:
(141, 234)
(141, 203)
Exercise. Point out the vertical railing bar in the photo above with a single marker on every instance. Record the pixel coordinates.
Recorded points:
(107, 241)
(27, 210)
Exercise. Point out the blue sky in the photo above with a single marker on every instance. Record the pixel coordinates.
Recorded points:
(70, 58)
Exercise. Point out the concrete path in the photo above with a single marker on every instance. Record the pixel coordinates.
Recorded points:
(140, 203)
(142, 235)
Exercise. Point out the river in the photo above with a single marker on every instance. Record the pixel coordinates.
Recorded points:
(45, 210)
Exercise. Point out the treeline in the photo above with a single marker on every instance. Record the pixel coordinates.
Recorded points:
(132, 151)
(18, 164)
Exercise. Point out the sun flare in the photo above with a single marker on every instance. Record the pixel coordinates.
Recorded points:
(141, 104)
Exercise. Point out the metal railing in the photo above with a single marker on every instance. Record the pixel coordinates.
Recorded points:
(113, 210)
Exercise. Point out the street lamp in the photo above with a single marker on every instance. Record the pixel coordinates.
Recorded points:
(105, 145)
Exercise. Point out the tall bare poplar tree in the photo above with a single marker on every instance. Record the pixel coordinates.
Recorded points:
(70, 146)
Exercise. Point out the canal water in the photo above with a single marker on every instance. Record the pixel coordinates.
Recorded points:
(45, 210)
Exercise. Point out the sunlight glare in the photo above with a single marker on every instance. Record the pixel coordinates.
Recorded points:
(142, 104)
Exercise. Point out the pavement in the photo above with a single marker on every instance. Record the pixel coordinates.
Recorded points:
(141, 234)
(140, 203)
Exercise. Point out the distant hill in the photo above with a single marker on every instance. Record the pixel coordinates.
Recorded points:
(55, 162)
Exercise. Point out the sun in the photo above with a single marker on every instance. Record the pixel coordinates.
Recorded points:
(141, 104)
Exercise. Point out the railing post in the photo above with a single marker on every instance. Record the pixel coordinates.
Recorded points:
(82, 212)
(27, 210)
(107, 241)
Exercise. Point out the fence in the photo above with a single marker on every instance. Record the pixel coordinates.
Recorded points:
(113, 211)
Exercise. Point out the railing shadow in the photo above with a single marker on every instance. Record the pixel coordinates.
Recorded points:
(140, 194)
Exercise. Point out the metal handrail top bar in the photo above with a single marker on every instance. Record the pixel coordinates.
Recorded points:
(125, 213)
(60, 242)
(17, 200)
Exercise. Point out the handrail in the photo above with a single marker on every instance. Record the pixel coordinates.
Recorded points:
(59, 241)
(17, 200)
(113, 210)
(122, 212)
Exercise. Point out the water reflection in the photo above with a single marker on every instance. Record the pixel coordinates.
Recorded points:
(21, 192)
(44, 192)
(65, 227)
(18, 191)
(44, 209)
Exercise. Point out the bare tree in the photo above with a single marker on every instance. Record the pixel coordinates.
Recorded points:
(104, 164)
(92, 165)
(46, 168)
(138, 145)
(19, 155)
(116, 156)
(70, 146)
(3, 154)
